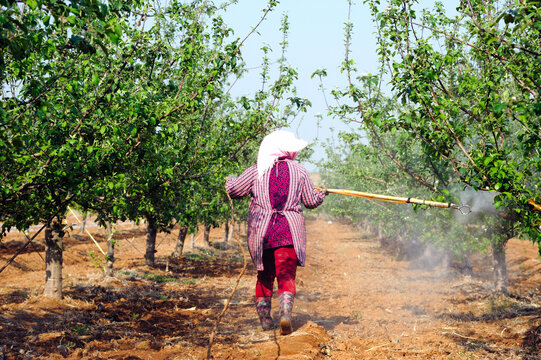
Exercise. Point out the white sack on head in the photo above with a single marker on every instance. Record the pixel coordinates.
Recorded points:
(277, 144)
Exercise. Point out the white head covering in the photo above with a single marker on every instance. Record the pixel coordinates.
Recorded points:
(275, 145)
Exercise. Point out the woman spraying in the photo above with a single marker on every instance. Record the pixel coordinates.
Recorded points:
(276, 232)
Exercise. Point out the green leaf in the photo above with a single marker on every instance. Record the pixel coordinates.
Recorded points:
(498, 202)
(32, 4)
(113, 37)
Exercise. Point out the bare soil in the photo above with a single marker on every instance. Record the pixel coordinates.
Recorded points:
(354, 301)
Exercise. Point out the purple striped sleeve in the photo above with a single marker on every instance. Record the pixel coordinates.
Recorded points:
(310, 197)
(241, 186)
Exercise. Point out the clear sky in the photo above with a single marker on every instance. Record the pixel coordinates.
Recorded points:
(316, 40)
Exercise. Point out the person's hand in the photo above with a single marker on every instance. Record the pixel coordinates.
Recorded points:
(324, 189)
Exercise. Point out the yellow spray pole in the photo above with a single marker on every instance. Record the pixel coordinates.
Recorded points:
(92, 237)
(535, 206)
(464, 209)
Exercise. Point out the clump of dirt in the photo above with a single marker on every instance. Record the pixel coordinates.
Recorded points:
(354, 300)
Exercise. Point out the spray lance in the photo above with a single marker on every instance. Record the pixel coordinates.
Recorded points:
(464, 209)
(534, 205)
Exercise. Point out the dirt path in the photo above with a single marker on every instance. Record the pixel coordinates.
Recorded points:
(354, 301)
(354, 298)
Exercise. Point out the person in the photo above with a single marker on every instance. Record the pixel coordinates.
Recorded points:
(276, 230)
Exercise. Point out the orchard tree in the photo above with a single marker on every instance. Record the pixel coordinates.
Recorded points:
(104, 105)
(358, 161)
(470, 86)
(63, 121)
(199, 129)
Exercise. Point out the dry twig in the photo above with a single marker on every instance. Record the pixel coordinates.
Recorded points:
(226, 306)
(139, 251)
(376, 347)
(459, 335)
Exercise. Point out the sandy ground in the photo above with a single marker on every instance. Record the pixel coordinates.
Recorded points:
(354, 301)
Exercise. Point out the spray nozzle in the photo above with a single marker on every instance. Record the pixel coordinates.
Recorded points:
(464, 209)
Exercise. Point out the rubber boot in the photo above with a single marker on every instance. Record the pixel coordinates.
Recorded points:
(286, 307)
(263, 307)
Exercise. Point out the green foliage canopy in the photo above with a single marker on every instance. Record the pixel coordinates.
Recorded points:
(124, 108)
(470, 88)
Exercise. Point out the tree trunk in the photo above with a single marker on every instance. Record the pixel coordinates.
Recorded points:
(206, 235)
(83, 223)
(467, 269)
(231, 233)
(53, 260)
(367, 227)
(110, 257)
(192, 241)
(227, 231)
(180, 242)
(500, 266)
(151, 241)
(245, 228)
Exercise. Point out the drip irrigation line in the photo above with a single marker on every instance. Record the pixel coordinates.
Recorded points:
(139, 251)
(28, 241)
(226, 306)
(162, 240)
(464, 209)
(33, 246)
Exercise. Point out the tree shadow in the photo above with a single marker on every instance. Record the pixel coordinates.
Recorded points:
(8, 248)
(328, 323)
(124, 316)
(143, 304)
(531, 343)
(495, 315)
(517, 261)
(472, 344)
(14, 297)
(204, 265)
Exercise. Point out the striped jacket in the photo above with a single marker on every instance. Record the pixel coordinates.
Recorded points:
(301, 190)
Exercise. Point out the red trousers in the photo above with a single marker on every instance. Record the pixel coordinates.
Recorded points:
(279, 263)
